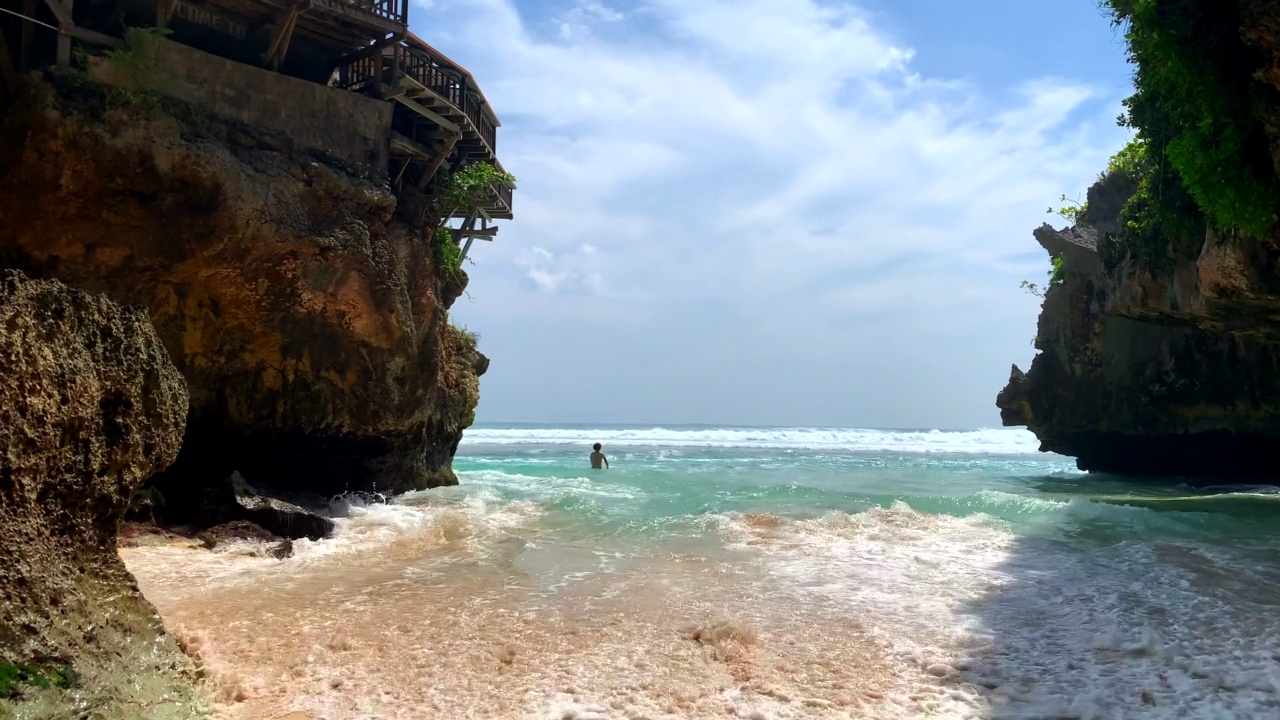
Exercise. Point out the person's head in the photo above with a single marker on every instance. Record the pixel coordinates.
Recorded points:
(596, 447)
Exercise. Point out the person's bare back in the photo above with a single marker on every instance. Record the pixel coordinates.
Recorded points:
(598, 460)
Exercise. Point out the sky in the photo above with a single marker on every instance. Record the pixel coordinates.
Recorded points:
(774, 212)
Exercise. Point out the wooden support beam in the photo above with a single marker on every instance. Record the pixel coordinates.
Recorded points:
(433, 117)
(63, 14)
(283, 35)
(64, 39)
(28, 36)
(164, 12)
(412, 146)
(397, 67)
(435, 164)
(467, 230)
(92, 36)
(67, 30)
(373, 49)
(400, 175)
(482, 234)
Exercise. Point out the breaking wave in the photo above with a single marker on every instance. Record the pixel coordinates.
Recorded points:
(1003, 441)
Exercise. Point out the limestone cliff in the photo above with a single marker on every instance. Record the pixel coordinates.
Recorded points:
(294, 293)
(1175, 373)
(1160, 338)
(90, 405)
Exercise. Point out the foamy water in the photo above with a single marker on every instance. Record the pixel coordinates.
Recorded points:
(751, 582)
(994, 441)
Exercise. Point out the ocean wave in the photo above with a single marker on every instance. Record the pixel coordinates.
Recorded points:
(992, 441)
(1052, 631)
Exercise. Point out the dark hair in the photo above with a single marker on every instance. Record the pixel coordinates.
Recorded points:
(596, 447)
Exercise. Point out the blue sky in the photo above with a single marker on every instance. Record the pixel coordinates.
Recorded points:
(774, 212)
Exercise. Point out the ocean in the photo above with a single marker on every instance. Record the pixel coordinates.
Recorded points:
(754, 573)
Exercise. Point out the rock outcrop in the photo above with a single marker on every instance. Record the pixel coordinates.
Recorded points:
(296, 296)
(1160, 343)
(90, 406)
(1170, 370)
(281, 517)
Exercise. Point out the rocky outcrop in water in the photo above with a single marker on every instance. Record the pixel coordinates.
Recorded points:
(296, 295)
(90, 405)
(279, 516)
(1167, 370)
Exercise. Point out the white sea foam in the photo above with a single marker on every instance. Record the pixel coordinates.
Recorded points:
(1032, 626)
(1014, 610)
(548, 487)
(995, 441)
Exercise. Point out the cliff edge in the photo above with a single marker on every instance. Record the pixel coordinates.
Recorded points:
(293, 290)
(1159, 337)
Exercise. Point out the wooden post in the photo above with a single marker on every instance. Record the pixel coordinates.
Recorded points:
(467, 226)
(400, 175)
(484, 233)
(64, 40)
(28, 36)
(282, 36)
(431, 169)
(164, 12)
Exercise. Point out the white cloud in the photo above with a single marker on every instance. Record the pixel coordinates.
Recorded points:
(581, 18)
(576, 271)
(762, 174)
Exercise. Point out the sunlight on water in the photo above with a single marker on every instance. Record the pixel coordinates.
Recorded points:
(891, 579)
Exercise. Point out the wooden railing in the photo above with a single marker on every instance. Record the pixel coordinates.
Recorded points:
(449, 82)
(395, 11)
(503, 191)
(359, 74)
(379, 68)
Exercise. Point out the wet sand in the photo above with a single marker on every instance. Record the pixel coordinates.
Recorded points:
(454, 622)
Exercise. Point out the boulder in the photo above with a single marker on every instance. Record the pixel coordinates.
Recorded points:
(275, 515)
(90, 406)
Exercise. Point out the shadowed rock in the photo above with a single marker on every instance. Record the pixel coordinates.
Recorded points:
(90, 405)
(1164, 368)
(297, 296)
(278, 516)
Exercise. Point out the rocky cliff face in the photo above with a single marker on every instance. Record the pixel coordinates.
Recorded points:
(90, 405)
(1160, 345)
(296, 297)
(1155, 369)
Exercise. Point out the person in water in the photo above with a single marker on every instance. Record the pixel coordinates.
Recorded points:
(598, 458)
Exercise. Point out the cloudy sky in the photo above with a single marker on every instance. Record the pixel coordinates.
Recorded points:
(774, 212)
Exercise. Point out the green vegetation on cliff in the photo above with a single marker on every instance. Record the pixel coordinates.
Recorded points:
(1201, 156)
(34, 675)
(462, 191)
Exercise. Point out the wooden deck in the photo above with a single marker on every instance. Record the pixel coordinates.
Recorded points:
(441, 118)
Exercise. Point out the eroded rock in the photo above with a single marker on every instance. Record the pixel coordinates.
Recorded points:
(1169, 370)
(296, 296)
(90, 405)
(283, 518)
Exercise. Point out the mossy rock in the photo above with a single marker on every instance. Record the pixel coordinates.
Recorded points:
(13, 678)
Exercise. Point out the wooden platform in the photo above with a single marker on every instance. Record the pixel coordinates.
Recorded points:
(441, 118)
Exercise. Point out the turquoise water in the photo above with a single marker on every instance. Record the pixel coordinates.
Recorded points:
(1039, 590)
(653, 490)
